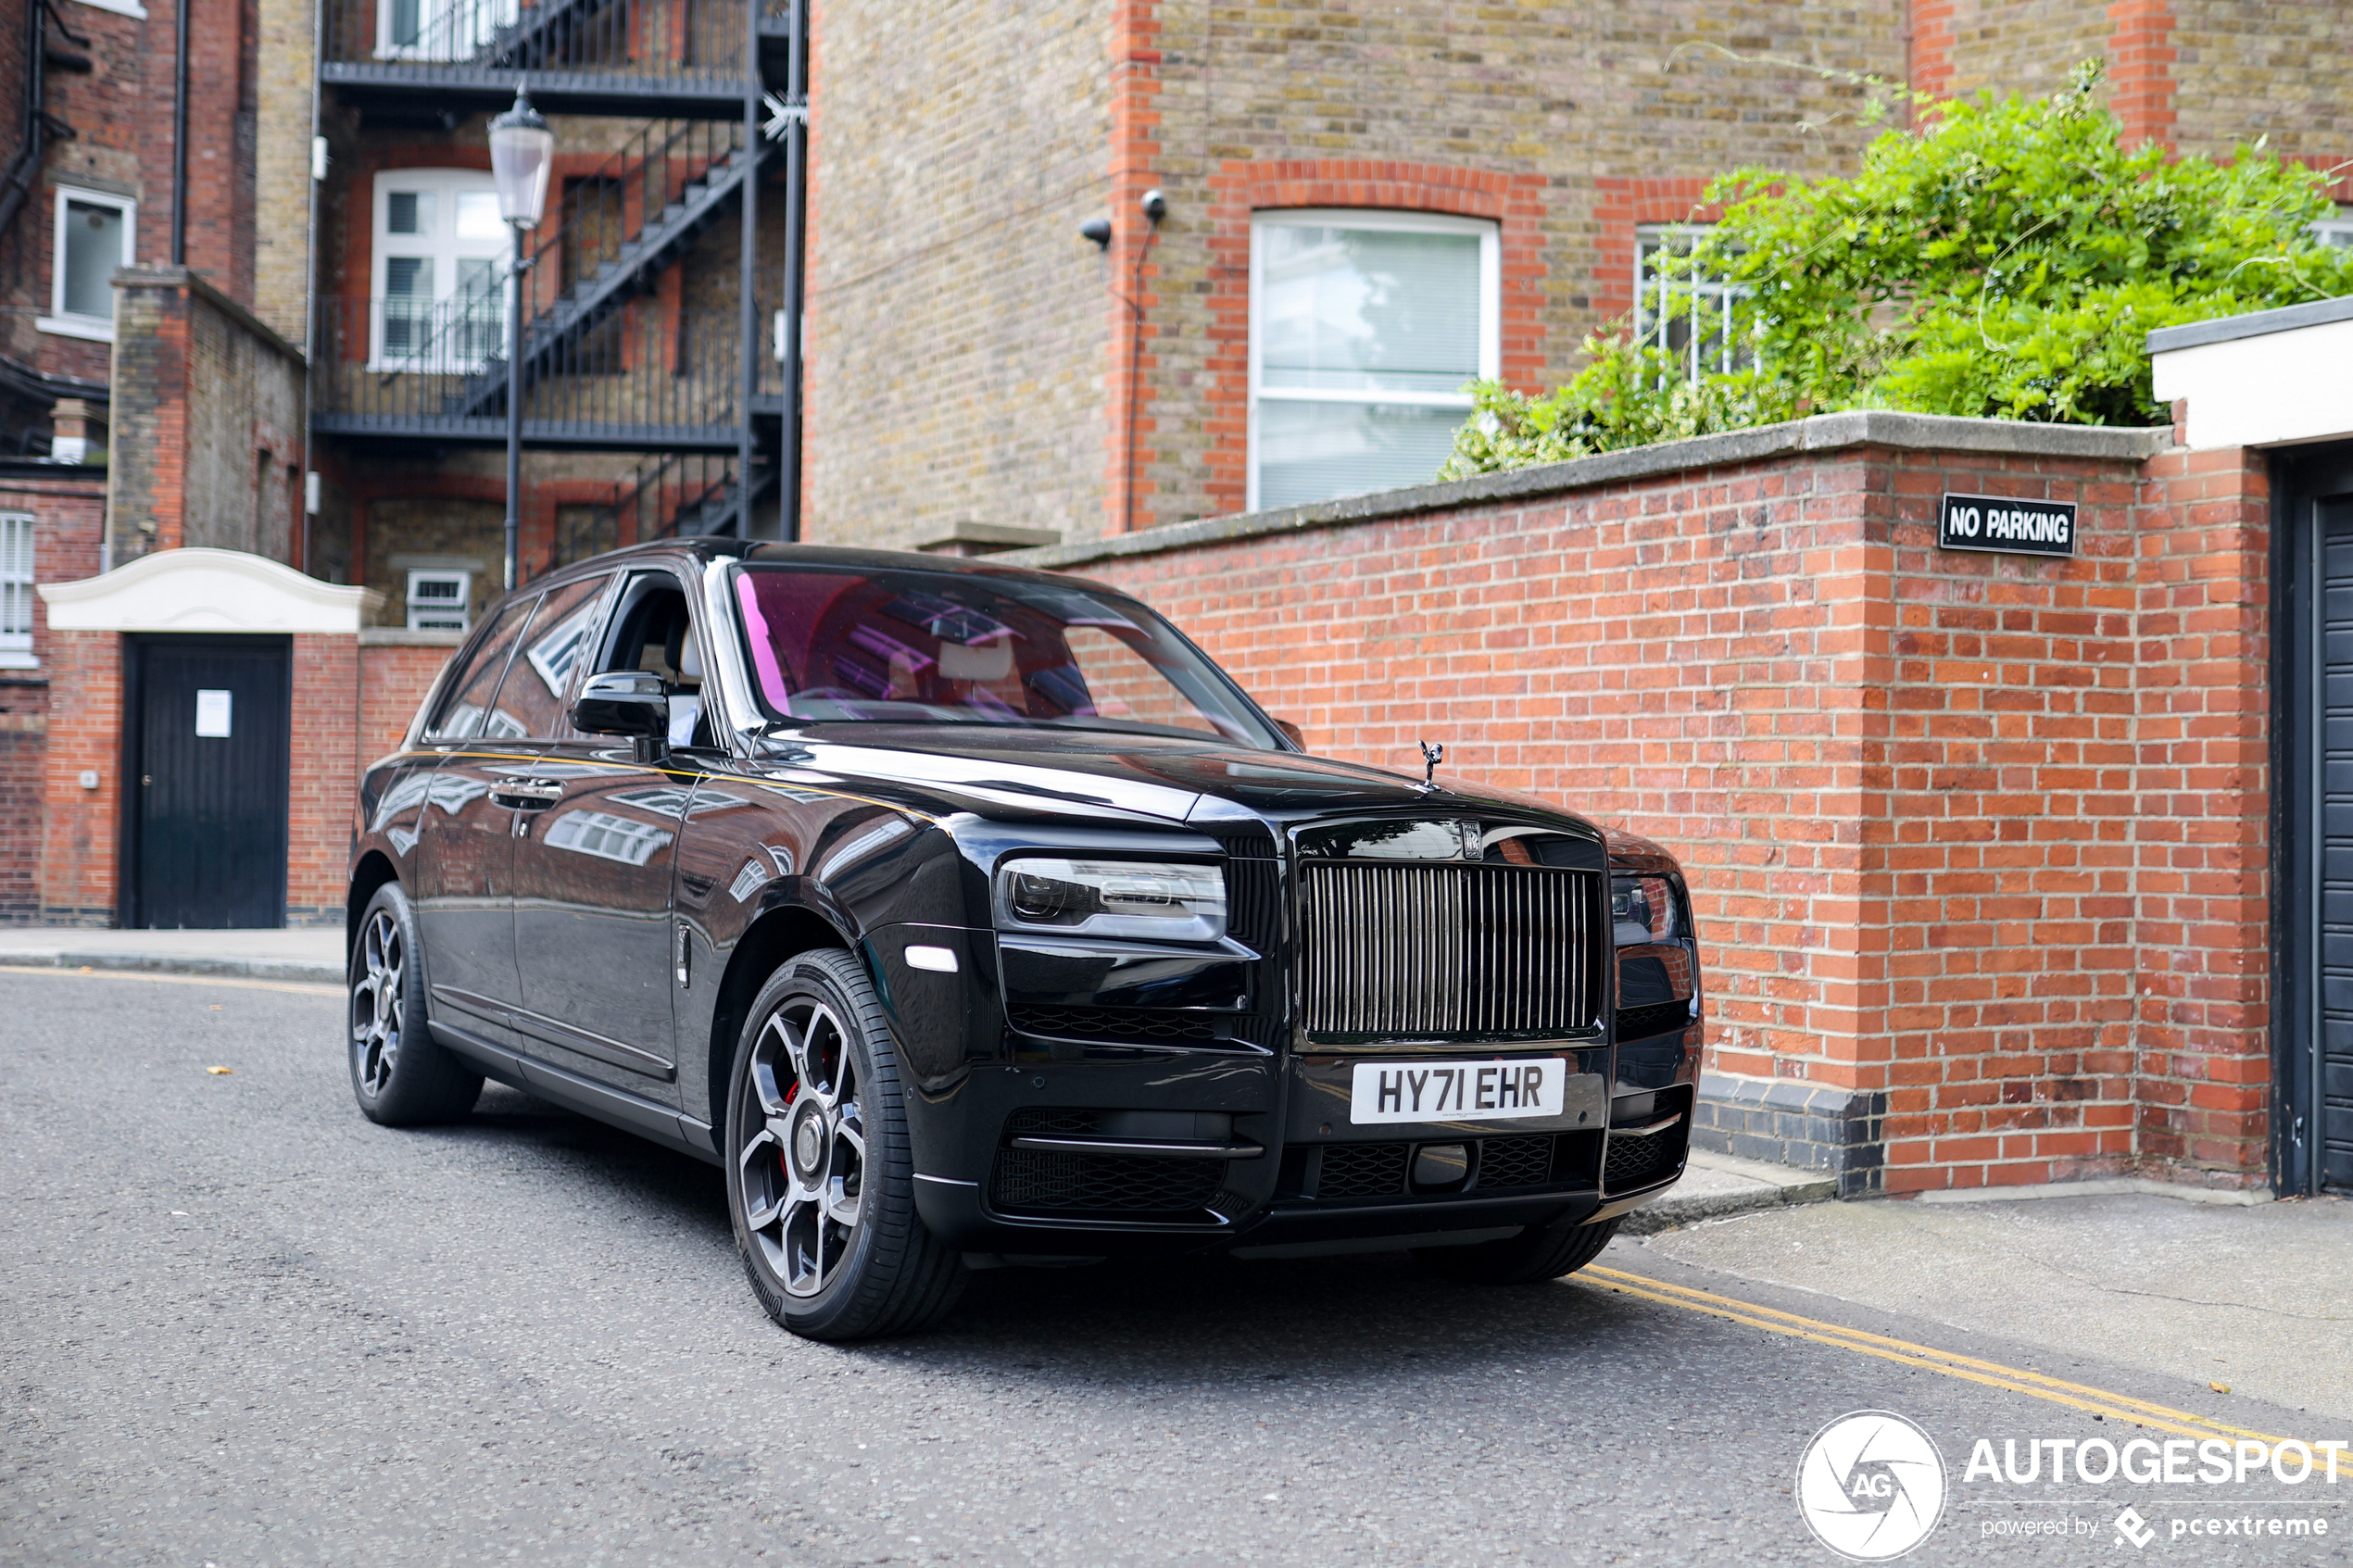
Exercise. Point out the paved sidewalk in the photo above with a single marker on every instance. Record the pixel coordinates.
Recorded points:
(312, 953)
(2258, 1298)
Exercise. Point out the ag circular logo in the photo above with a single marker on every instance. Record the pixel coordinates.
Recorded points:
(1872, 1486)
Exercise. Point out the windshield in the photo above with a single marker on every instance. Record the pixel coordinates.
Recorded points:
(924, 647)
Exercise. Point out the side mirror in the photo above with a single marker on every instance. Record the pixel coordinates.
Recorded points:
(1290, 733)
(624, 702)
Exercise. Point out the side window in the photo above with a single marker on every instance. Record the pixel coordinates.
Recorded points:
(548, 656)
(467, 712)
(654, 632)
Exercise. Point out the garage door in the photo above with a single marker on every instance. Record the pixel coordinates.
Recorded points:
(2313, 1127)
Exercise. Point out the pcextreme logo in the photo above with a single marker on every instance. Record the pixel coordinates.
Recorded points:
(1870, 1485)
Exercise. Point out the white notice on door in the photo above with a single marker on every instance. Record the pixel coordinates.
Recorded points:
(212, 714)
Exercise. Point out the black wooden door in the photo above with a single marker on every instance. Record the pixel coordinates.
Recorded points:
(208, 752)
(2313, 1122)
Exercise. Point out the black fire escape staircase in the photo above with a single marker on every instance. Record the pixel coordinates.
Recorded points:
(659, 238)
(40, 125)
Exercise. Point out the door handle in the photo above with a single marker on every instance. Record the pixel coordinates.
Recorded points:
(527, 794)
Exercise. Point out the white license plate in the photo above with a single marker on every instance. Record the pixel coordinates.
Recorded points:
(1456, 1091)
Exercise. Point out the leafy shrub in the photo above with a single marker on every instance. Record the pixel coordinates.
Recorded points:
(2008, 261)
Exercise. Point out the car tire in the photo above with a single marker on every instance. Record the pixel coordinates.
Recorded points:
(400, 1075)
(821, 1175)
(1534, 1254)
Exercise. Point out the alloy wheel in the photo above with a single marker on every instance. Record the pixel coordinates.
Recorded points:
(803, 1162)
(375, 1002)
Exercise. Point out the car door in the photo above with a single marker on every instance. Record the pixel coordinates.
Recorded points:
(465, 849)
(593, 870)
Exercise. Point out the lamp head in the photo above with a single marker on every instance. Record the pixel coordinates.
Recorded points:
(1097, 229)
(1155, 206)
(522, 154)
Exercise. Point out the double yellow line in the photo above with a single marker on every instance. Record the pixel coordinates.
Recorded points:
(1903, 1353)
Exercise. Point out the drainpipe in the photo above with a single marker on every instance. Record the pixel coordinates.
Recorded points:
(747, 269)
(796, 243)
(179, 139)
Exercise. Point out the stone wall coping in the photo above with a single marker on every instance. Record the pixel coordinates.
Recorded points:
(1822, 433)
(2254, 323)
(200, 589)
(187, 278)
(402, 637)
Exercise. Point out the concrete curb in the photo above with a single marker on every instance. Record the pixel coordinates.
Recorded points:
(1715, 1186)
(175, 963)
(2107, 1186)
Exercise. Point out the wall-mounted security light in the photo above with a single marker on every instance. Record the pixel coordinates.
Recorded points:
(1155, 206)
(1097, 229)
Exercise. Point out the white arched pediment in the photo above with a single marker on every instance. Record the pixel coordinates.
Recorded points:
(206, 590)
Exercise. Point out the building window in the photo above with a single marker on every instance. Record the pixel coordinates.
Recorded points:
(16, 591)
(96, 234)
(437, 600)
(440, 271)
(2336, 231)
(439, 30)
(1366, 330)
(1695, 319)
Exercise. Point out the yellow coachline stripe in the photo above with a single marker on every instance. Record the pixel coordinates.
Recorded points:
(299, 988)
(2017, 1380)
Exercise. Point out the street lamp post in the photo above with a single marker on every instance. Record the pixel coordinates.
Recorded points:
(521, 154)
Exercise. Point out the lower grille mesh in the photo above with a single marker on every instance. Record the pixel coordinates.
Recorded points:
(1378, 1170)
(1635, 1160)
(1043, 1180)
(1111, 1024)
(1363, 1169)
(1514, 1162)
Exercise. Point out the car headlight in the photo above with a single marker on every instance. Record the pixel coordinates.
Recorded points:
(1147, 898)
(1647, 908)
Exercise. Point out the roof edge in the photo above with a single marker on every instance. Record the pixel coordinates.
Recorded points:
(2254, 323)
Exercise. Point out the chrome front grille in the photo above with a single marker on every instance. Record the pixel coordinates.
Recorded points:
(1448, 951)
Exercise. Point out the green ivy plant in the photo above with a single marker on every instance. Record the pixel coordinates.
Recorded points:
(2008, 261)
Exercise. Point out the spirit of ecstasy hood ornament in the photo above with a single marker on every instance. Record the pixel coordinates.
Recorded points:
(1431, 756)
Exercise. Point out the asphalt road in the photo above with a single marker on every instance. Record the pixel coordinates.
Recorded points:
(239, 1324)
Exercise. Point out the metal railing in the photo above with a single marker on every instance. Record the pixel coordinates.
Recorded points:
(602, 219)
(404, 366)
(661, 38)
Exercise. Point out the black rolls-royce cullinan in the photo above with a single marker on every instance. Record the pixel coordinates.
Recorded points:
(969, 916)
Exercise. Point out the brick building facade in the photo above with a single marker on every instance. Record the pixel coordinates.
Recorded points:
(975, 361)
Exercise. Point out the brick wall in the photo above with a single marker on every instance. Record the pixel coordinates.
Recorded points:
(398, 669)
(66, 514)
(958, 327)
(80, 835)
(209, 418)
(1977, 841)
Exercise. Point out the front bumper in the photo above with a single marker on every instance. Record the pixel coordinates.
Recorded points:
(1245, 1151)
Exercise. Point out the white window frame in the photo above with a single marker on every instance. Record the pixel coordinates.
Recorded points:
(1720, 299)
(449, 29)
(16, 647)
(2336, 231)
(1491, 302)
(436, 612)
(445, 185)
(97, 328)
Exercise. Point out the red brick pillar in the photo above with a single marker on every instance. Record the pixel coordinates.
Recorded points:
(80, 827)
